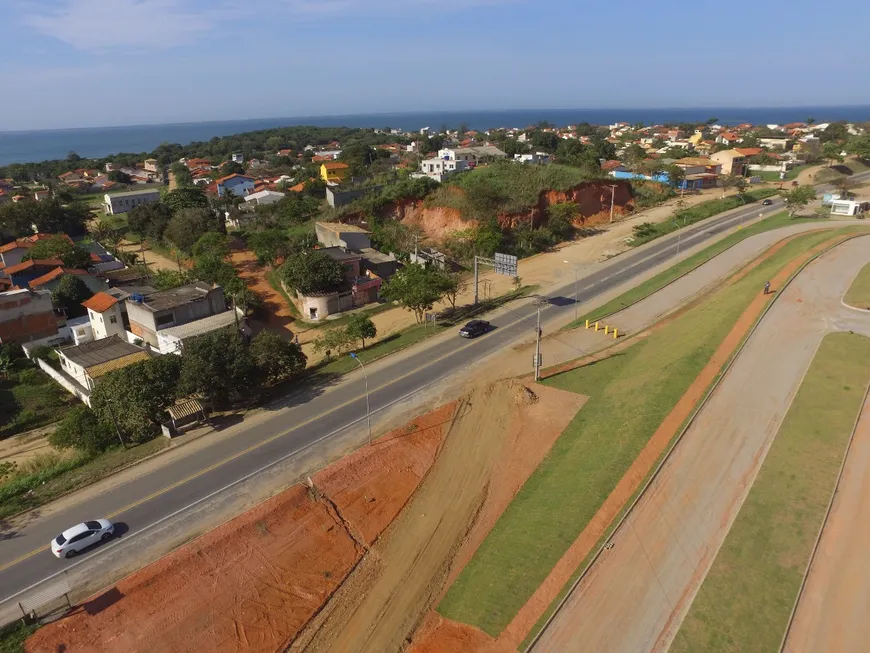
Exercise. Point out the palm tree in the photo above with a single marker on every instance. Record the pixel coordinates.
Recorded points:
(100, 230)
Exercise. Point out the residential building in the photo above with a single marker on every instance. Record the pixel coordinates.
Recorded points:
(41, 194)
(472, 155)
(378, 263)
(334, 172)
(116, 203)
(51, 280)
(22, 274)
(238, 185)
(727, 138)
(364, 285)
(440, 169)
(105, 314)
(700, 172)
(732, 162)
(779, 143)
(264, 197)
(168, 308)
(238, 158)
(173, 339)
(150, 165)
(26, 315)
(808, 145)
(537, 158)
(88, 362)
(12, 253)
(336, 234)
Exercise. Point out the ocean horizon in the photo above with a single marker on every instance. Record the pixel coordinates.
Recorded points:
(96, 142)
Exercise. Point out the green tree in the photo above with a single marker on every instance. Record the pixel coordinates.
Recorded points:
(360, 327)
(334, 341)
(212, 244)
(61, 248)
(169, 279)
(488, 238)
(150, 220)
(860, 146)
(212, 269)
(453, 284)
(269, 245)
(181, 174)
(311, 271)
(798, 198)
(276, 359)
(416, 288)
(219, 367)
(188, 225)
(185, 198)
(137, 396)
(120, 177)
(560, 219)
(69, 295)
(82, 430)
(633, 155)
(232, 168)
(832, 152)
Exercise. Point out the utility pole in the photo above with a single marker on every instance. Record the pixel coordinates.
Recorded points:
(368, 406)
(115, 422)
(475, 280)
(538, 346)
(612, 199)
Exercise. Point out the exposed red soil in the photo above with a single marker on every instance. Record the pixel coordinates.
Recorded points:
(253, 583)
(363, 486)
(276, 313)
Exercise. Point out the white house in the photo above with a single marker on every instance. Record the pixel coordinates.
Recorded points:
(539, 158)
(440, 169)
(88, 362)
(115, 203)
(105, 315)
(171, 340)
(238, 158)
(471, 155)
(263, 197)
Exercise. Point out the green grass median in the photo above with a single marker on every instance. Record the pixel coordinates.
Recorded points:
(656, 283)
(745, 602)
(858, 294)
(630, 394)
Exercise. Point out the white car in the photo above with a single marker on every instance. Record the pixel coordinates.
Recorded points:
(81, 536)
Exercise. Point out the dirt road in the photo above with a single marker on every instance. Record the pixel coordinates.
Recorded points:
(637, 594)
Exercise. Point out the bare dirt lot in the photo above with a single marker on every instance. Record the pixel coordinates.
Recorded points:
(384, 599)
(253, 583)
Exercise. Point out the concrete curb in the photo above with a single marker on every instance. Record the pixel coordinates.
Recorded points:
(677, 441)
(818, 541)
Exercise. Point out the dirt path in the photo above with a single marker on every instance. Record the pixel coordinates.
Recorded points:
(662, 552)
(275, 309)
(379, 606)
(154, 260)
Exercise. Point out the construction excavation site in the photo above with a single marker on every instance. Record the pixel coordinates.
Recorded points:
(694, 484)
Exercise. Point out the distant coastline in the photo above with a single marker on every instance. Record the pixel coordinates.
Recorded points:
(34, 146)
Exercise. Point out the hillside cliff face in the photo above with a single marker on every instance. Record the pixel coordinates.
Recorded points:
(592, 198)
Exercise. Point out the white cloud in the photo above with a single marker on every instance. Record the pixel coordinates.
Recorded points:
(110, 24)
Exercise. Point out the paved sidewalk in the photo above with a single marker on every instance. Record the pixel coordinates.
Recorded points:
(636, 595)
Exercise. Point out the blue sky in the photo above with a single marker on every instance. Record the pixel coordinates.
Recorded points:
(83, 63)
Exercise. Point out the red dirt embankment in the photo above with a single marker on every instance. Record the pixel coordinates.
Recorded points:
(592, 198)
(253, 583)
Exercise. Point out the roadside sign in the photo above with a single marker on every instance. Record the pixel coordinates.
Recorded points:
(505, 264)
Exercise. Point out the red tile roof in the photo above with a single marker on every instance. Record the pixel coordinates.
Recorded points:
(749, 151)
(729, 136)
(336, 165)
(611, 165)
(54, 274)
(100, 302)
(26, 265)
(320, 159)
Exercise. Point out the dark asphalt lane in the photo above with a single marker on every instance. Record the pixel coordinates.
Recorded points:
(25, 559)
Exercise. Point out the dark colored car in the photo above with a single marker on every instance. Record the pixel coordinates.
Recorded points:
(475, 328)
(767, 202)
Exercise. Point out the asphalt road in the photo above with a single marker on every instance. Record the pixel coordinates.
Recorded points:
(25, 559)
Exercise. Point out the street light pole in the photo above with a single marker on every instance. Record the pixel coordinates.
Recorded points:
(575, 290)
(368, 406)
(115, 422)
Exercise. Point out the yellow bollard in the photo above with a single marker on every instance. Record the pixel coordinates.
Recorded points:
(596, 326)
(615, 336)
(587, 324)
(606, 329)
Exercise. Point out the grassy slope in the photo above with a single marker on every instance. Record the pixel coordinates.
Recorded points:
(700, 212)
(29, 399)
(858, 294)
(662, 279)
(630, 395)
(745, 602)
